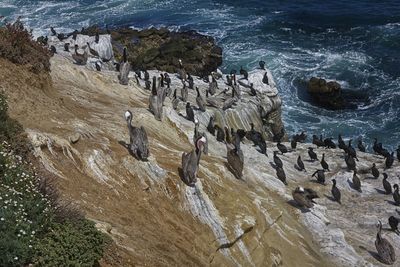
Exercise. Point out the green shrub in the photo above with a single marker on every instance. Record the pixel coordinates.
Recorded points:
(17, 46)
(35, 226)
(70, 244)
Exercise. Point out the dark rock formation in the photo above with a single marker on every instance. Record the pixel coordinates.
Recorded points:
(161, 49)
(326, 94)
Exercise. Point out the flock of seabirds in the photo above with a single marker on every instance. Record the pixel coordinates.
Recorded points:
(304, 197)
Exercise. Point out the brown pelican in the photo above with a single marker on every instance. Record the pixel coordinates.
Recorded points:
(155, 104)
(385, 249)
(198, 134)
(182, 72)
(80, 59)
(212, 102)
(191, 160)
(213, 86)
(304, 197)
(235, 157)
(335, 192)
(138, 139)
(124, 69)
(200, 101)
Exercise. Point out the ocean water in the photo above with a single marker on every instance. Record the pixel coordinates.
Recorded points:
(354, 42)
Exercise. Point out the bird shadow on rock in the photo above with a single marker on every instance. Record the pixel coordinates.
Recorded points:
(391, 202)
(316, 182)
(122, 143)
(180, 172)
(310, 160)
(330, 198)
(294, 204)
(380, 191)
(273, 165)
(370, 178)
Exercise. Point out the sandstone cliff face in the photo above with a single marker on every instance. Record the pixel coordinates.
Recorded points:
(154, 218)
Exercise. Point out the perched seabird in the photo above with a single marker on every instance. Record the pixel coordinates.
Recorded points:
(210, 126)
(220, 133)
(211, 101)
(317, 141)
(280, 173)
(257, 139)
(300, 164)
(53, 49)
(351, 151)
(53, 32)
(261, 63)
(244, 73)
(328, 142)
(175, 101)
(356, 182)
(235, 157)
(147, 85)
(191, 160)
(80, 59)
(335, 192)
(97, 38)
(213, 86)
(265, 78)
(198, 134)
(304, 197)
(361, 146)
(398, 153)
(389, 160)
(155, 104)
(230, 101)
(146, 75)
(167, 80)
(277, 160)
(98, 66)
(190, 81)
(253, 91)
(320, 176)
(74, 35)
(375, 171)
(324, 164)
(182, 72)
(66, 47)
(124, 69)
(189, 112)
(396, 195)
(341, 143)
(385, 250)
(300, 137)
(293, 143)
(92, 51)
(139, 144)
(386, 185)
(184, 92)
(350, 162)
(312, 154)
(394, 224)
(282, 148)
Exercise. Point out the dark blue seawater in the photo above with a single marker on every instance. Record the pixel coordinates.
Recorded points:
(354, 42)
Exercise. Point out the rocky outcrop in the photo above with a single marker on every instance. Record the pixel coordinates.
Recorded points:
(161, 49)
(326, 94)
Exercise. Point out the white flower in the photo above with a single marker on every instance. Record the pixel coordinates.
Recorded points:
(16, 258)
(2, 219)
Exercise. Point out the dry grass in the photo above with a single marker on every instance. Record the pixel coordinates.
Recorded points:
(18, 46)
